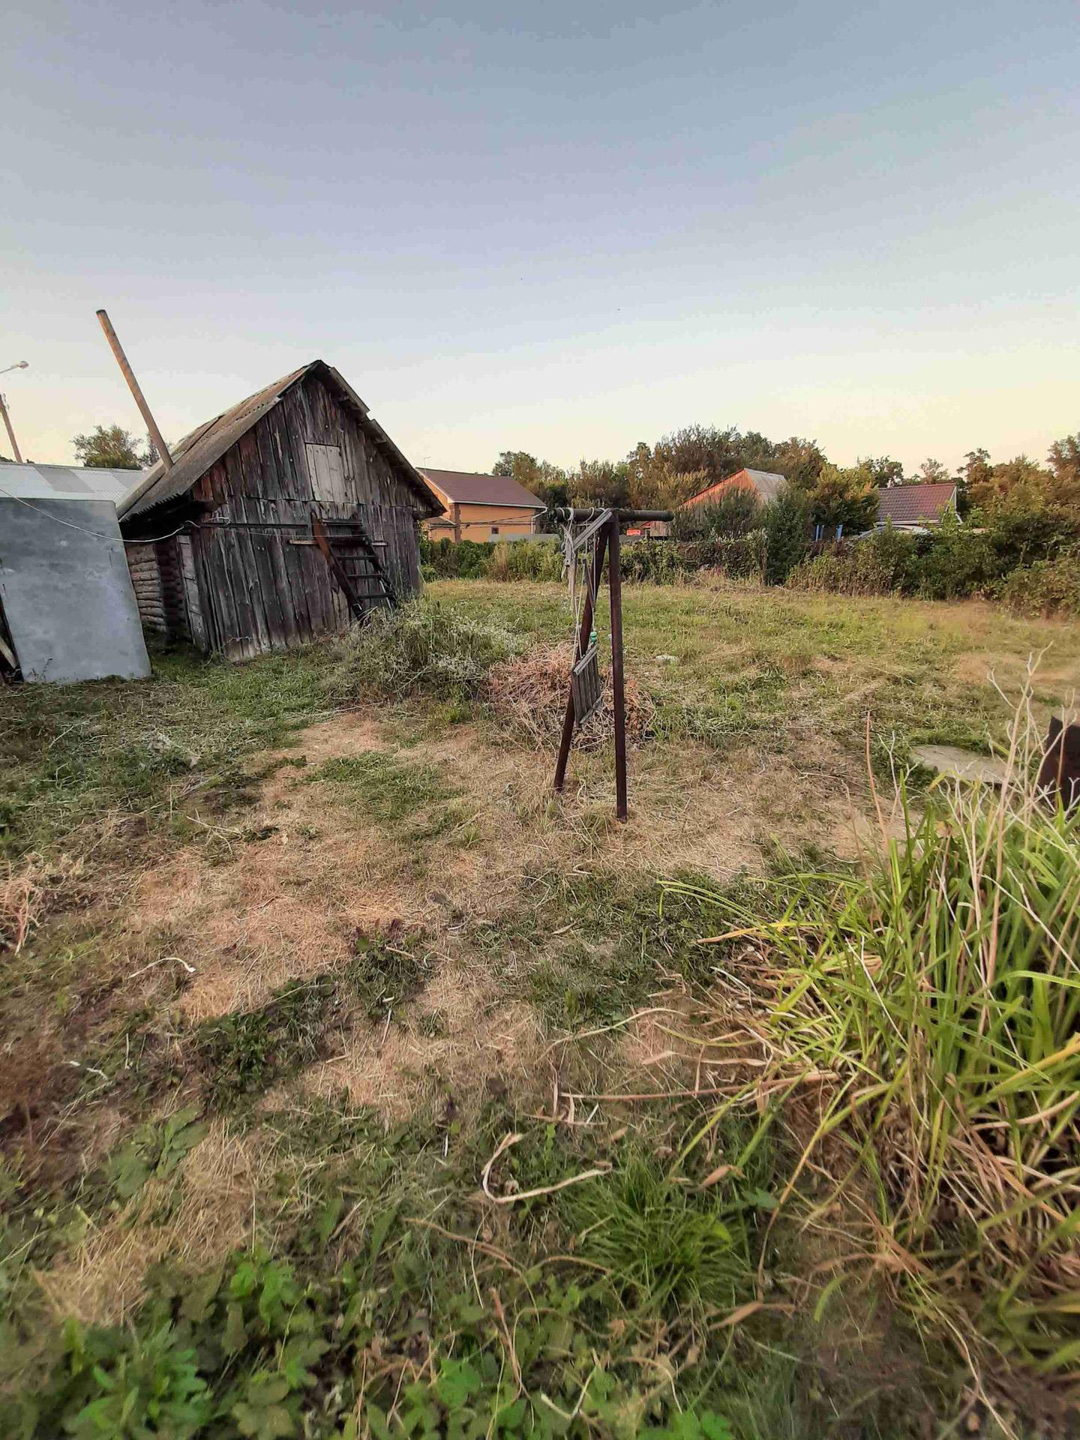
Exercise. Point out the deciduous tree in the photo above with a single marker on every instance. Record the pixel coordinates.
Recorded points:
(883, 470)
(844, 497)
(933, 472)
(109, 447)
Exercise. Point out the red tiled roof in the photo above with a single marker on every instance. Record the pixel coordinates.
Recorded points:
(910, 504)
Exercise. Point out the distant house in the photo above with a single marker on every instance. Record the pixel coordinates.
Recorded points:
(915, 507)
(481, 507)
(281, 519)
(764, 483)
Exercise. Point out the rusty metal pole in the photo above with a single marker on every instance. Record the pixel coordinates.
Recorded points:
(618, 691)
(583, 642)
(10, 431)
(133, 386)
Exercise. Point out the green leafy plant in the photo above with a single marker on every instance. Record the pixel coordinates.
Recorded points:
(734, 511)
(1047, 588)
(114, 1384)
(882, 563)
(154, 1150)
(539, 560)
(242, 1053)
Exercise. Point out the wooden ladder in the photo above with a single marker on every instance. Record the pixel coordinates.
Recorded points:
(354, 563)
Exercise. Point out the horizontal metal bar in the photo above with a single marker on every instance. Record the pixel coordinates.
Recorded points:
(594, 514)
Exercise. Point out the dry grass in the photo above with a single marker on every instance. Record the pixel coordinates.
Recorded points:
(225, 1181)
(32, 889)
(290, 906)
(455, 1038)
(529, 694)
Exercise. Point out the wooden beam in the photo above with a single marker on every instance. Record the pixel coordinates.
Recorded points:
(133, 386)
(10, 431)
(617, 685)
(583, 641)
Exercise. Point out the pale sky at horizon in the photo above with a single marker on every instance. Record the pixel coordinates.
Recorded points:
(560, 229)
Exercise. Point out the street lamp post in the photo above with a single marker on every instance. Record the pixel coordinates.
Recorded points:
(19, 365)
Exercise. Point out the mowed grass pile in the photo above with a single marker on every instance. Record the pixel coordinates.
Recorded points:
(931, 1001)
(422, 647)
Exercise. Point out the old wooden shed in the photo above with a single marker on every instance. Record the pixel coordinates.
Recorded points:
(281, 519)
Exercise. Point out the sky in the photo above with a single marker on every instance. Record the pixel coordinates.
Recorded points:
(562, 228)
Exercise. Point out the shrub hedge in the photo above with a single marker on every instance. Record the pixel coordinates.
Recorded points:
(1048, 587)
(1030, 561)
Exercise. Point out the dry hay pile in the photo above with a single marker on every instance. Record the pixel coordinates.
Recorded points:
(529, 694)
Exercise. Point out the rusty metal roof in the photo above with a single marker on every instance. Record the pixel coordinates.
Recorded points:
(467, 487)
(766, 483)
(206, 444)
(910, 504)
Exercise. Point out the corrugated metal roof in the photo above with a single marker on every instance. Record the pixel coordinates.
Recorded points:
(205, 445)
(65, 482)
(910, 504)
(467, 487)
(766, 483)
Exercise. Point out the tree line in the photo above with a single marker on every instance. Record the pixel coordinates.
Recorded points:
(688, 461)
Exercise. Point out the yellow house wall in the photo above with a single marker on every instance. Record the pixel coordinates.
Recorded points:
(477, 521)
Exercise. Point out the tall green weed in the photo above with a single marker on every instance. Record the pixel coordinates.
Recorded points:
(930, 1000)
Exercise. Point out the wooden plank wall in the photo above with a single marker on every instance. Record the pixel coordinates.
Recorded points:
(262, 584)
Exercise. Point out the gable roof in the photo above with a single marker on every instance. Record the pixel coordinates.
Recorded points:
(207, 443)
(766, 483)
(466, 487)
(65, 482)
(908, 504)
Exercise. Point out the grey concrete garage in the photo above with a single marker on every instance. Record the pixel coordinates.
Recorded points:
(67, 607)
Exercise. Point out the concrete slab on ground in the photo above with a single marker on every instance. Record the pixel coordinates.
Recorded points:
(957, 764)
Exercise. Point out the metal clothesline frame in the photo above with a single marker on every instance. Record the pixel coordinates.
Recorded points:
(607, 525)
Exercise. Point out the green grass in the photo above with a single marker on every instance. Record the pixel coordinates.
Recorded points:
(586, 947)
(421, 648)
(241, 1054)
(666, 1248)
(375, 1292)
(386, 788)
(370, 1298)
(749, 663)
(71, 753)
